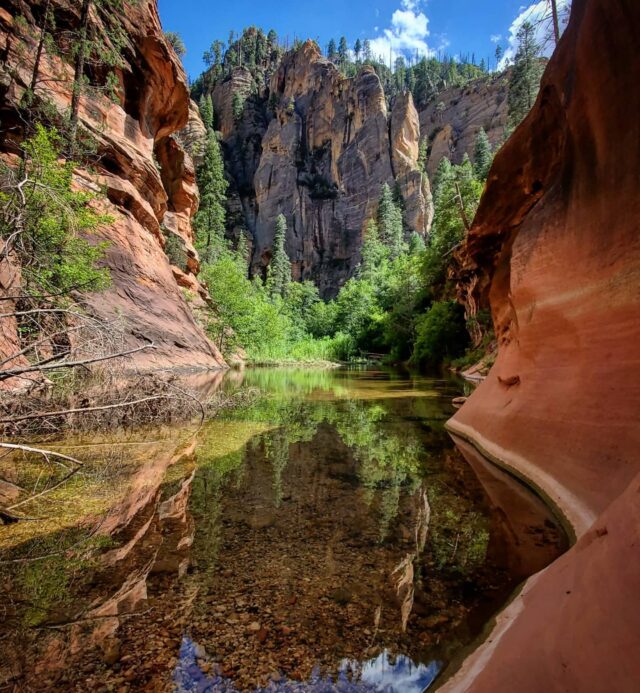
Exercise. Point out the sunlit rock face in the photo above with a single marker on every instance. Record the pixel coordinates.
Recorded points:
(451, 121)
(318, 149)
(555, 250)
(147, 176)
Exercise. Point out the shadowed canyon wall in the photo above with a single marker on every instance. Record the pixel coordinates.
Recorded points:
(148, 178)
(555, 250)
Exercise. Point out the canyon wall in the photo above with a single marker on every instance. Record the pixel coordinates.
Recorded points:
(450, 122)
(555, 250)
(318, 147)
(147, 176)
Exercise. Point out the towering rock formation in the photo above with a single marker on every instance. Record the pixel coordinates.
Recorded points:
(318, 151)
(555, 250)
(148, 177)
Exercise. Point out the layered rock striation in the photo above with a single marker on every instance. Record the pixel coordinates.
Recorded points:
(555, 251)
(148, 177)
(318, 147)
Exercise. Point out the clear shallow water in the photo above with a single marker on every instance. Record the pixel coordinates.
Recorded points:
(327, 537)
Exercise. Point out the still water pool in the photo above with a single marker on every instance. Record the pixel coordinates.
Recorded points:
(328, 536)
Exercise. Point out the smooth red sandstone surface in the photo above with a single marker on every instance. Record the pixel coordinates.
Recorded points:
(149, 199)
(555, 249)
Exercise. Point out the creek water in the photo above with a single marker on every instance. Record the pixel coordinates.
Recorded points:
(327, 536)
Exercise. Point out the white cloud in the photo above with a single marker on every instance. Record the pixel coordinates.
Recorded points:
(407, 34)
(538, 14)
(496, 38)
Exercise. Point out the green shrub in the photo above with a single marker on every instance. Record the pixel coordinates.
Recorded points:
(441, 334)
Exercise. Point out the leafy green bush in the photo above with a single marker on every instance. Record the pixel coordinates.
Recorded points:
(440, 334)
(44, 221)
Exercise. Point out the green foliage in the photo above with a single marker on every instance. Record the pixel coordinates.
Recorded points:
(174, 249)
(205, 106)
(209, 222)
(237, 105)
(440, 334)
(175, 41)
(423, 150)
(527, 70)
(390, 223)
(483, 156)
(45, 221)
(279, 270)
(454, 186)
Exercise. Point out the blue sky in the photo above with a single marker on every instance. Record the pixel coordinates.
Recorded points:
(399, 26)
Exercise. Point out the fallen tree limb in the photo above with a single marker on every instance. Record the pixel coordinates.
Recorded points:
(44, 453)
(13, 372)
(81, 410)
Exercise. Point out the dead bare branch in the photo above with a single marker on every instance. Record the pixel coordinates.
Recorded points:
(12, 373)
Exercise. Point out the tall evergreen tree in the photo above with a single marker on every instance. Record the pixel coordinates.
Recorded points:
(206, 111)
(390, 222)
(367, 54)
(482, 155)
(373, 251)
(525, 76)
(209, 221)
(332, 50)
(279, 270)
(423, 149)
(357, 49)
(343, 52)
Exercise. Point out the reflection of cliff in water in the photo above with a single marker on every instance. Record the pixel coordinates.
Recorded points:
(331, 521)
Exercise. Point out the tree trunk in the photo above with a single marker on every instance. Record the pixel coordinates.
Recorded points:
(463, 213)
(79, 72)
(556, 23)
(43, 34)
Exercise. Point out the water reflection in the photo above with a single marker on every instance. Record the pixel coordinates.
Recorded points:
(324, 537)
(385, 673)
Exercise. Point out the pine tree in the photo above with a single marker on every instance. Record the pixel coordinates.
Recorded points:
(399, 73)
(209, 221)
(373, 251)
(499, 54)
(242, 251)
(423, 149)
(390, 222)
(482, 155)
(357, 49)
(367, 54)
(332, 51)
(237, 105)
(279, 270)
(206, 111)
(343, 52)
(525, 76)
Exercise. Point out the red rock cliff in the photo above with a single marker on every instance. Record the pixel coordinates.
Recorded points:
(555, 250)
(148, 177)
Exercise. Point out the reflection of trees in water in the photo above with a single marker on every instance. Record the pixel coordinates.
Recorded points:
(386, 461)
(390, 456)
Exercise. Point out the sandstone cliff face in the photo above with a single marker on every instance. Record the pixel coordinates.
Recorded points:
(451, 121)
(318, 149)
(555, 250)
(150, 200)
